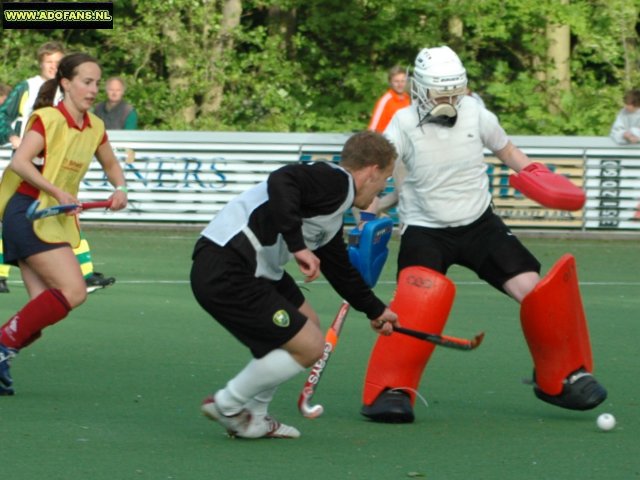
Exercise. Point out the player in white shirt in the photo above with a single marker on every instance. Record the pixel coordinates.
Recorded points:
(626, 127)
(442, 189)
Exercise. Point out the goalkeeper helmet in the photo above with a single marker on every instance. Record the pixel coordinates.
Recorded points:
(438, 74)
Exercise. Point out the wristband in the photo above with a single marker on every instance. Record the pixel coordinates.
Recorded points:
(122, 188)
(366, 216)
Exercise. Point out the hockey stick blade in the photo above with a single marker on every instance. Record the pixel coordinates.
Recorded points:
(330, 342)
(443, 340)
(34, 214)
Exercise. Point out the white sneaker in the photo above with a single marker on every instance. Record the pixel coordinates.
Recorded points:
(236, 425)
(280, 430)
(246, 425)
(268, 427)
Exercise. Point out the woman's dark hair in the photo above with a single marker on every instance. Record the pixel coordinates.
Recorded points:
(68, 69)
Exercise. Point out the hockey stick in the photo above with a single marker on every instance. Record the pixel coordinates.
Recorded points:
(34, 214)
(443, 340)
(330, 342)
(367, 252)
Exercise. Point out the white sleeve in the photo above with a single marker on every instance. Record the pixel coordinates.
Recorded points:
(491, 132)
(398, 137)
(618, 128)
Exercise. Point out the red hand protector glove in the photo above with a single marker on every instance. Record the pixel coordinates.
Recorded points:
(549, 189)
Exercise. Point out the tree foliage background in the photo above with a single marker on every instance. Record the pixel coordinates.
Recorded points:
(319, 65)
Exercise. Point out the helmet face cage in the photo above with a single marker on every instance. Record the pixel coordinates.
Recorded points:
(438, 73)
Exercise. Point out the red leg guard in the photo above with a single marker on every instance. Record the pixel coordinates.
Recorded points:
(422, 301)
(555, 327)
(25, 326)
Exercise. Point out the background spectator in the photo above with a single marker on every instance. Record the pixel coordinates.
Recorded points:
(17, 108)
(4, 91)
(393, 100)
(4, 269)
(626, 127)
(116, 113)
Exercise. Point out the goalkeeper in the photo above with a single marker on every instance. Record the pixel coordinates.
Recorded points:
(447, 216)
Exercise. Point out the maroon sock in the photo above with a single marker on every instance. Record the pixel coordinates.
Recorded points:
(25, 326)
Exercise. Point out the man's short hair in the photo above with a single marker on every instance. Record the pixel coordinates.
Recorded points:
(632, 97)
(48, 49)
(396, 70)
(367, 148)
(116, 79)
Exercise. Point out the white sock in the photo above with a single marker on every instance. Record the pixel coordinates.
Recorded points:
(259, 405)
(258, 376)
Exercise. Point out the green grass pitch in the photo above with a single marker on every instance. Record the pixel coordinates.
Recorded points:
(113, 391)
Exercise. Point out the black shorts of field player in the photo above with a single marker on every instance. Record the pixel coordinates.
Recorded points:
(261, 313)
(485, 246)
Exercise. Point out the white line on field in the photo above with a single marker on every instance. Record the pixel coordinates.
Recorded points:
(324, 282)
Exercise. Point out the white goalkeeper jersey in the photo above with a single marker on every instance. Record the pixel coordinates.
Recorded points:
(446, 182)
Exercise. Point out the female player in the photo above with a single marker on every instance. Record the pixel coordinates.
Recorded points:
(48, 166)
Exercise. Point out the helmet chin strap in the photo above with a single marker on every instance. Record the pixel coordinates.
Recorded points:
(443, 114)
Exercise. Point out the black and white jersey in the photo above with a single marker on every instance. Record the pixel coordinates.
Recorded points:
(299, 206)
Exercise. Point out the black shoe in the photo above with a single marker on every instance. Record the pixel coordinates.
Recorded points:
(391, 406)
(97, 280)
(580, 391)
(3, 286)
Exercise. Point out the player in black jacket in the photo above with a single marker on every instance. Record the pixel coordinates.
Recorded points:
(238, 274)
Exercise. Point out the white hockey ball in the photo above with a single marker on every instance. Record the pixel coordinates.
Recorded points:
(606, 421)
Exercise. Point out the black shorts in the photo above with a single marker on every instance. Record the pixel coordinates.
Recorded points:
(18, 238)
(262, 314)
(485, 246)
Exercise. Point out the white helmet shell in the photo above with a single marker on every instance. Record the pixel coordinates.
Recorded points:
(438, 72)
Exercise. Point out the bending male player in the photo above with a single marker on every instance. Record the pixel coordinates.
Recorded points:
(445, 209)
(238, 275)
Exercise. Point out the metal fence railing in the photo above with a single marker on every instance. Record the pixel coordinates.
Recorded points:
(189, 176)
